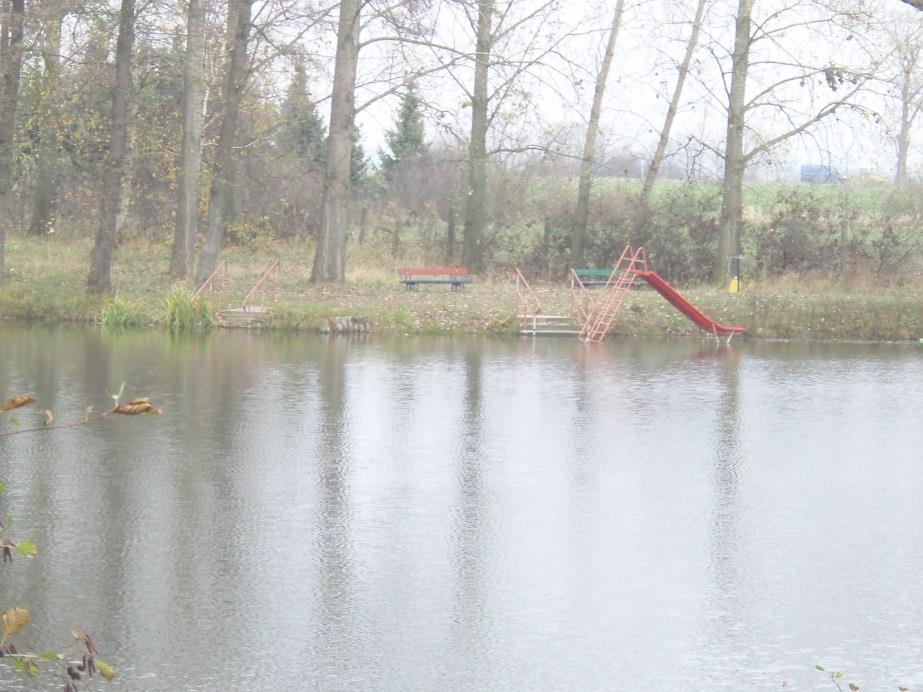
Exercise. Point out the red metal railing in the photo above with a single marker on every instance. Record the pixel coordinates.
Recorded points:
(528, 300)
(209, 284)
(271, 272)
(580, 298)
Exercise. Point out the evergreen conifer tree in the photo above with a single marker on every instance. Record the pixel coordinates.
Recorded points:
(303, 132)
(358, 162)
(406, 140)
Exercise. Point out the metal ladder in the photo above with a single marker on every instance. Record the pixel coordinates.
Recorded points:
(603, 313)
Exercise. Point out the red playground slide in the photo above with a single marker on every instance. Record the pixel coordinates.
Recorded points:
(684, 306)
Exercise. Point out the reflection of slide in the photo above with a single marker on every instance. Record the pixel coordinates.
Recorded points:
(685, 307)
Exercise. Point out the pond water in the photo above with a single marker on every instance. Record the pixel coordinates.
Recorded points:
(467, 513)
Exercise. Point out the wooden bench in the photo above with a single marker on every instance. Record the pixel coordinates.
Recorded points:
(454, 276)
(589, 278)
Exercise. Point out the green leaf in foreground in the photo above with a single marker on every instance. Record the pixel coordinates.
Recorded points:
(105, 670)
(27, 548)
(50, 656)
(32, 668)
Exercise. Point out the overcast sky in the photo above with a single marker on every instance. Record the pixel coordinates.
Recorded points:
(556, 94)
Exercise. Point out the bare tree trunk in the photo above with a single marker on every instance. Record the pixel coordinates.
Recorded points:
(330, 254)
(734, 161)
(450, 238)
(99, 280)
(224, 157)
(187, 206)
(476, 206)
(661, 150)
(45, 202)
(11, 21)
(903, 137)
(578, 250)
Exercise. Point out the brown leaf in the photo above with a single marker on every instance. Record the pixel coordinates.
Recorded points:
(136, 407)
(15, 402)
(14, 620)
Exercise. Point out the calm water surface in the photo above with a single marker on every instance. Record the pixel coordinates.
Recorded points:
(473, 514)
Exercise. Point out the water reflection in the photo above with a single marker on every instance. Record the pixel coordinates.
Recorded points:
(471, 513)
(723, 619)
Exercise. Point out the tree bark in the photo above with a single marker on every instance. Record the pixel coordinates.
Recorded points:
(10, 69)
(187, 206)
(476, 206)
(734, 161)
(450, 238)
(578, 251)
(224, 157)
(661, 150)
(903, 137)
(45, 200)
(909, 54)
(330, 254)
(99, 279)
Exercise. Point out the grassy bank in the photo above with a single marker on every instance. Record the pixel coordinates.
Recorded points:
(47, 284)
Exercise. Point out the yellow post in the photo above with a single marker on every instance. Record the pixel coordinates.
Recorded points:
(734, 271)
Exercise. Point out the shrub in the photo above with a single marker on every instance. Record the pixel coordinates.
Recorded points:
(182, 313)
(121, 313)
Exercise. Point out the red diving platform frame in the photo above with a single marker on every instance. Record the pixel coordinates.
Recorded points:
(598, 316)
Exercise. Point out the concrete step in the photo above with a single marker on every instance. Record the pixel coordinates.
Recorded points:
(240, 318)
(549, 332)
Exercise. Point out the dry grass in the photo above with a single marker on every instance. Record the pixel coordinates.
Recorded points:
(47, 282)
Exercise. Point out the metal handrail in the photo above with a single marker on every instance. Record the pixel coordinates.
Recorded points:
(209, 283)
(580, 297)
(531, 305)
(273, 271)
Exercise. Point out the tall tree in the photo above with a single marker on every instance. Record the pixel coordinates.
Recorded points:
(48, 163)
(187, 207)
(511, 41)
(222, 176)
(302, 131)
(12, 15)
(589, 147)
(406, 140)
(908, 85)
(734, 162)
(673, 108)
(842, 85)
(476, 204)
(330, 254)
(99, 279)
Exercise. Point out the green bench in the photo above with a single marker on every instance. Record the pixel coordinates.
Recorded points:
(589, 278)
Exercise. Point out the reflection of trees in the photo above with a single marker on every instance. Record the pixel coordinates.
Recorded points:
(335, 568)
(725, 539)
(470, 610)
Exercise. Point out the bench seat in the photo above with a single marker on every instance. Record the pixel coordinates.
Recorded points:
(589, 278)
(456, 277)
